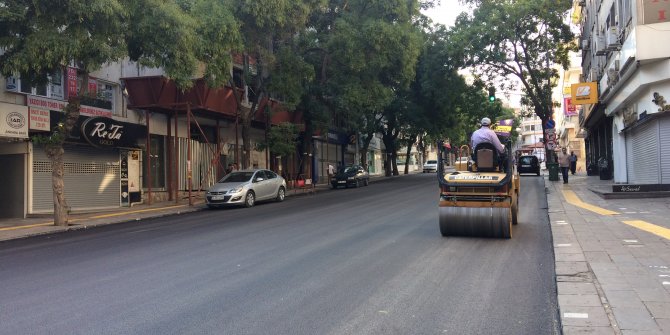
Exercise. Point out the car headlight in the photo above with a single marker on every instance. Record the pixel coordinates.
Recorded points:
(236, 190)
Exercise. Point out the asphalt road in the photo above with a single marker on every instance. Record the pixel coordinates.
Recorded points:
(349, 261)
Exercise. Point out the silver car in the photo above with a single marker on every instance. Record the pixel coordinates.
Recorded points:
(245, 188)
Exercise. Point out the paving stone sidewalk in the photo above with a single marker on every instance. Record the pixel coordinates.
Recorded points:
(613, 278)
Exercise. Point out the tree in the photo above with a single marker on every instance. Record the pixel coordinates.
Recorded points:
(519, 39)
(282, 140)
(40, 37)
(272, 64)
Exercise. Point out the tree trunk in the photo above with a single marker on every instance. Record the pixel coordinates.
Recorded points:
(407, 157)
(246, 143)
(365, 148)
(55, 153)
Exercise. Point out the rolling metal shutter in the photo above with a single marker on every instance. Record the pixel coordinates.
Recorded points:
(643, 155)
(92, 179)
(664, 137)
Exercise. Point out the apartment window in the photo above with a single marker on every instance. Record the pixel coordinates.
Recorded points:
(107, 93)
(52, 89)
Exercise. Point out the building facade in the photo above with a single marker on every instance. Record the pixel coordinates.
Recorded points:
(625, 51)
(122, 150)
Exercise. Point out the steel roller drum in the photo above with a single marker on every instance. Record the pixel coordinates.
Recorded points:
(475, 221)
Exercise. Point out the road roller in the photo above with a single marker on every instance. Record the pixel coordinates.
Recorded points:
(480, 198)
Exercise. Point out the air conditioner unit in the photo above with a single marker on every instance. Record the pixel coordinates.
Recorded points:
(586, 44)
(600, 45)
(613, 39)
(594, 75)
(11, 84)
(612, 77)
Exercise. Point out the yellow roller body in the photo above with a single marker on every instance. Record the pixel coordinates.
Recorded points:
(478, 204)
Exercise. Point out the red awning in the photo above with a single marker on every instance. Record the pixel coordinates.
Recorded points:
(160, 94)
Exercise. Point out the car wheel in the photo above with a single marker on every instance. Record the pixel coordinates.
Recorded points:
(281, 194)
(366, 182)
(249, 199)
(358, 183)
(538, 172)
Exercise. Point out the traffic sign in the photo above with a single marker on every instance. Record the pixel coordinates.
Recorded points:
(550, 138)
(550, 124)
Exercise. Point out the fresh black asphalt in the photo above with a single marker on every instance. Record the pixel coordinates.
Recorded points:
(350, 261)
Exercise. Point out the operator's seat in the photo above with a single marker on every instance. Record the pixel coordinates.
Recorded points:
(486, 157)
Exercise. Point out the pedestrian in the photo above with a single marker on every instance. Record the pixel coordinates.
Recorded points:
(564, 164)
(229, 169)
(573, 162)
(331, 171)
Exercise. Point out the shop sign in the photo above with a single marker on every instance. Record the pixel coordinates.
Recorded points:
(57, 105)
(655, 11)
(39, 119)
(568, 108)
(13, 121)
(503, 127)
(71, 82)
(102, 132)
(584, 93)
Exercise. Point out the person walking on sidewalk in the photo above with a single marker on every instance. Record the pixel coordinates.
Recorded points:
(564, 164)
(331, 171)
(573, 162)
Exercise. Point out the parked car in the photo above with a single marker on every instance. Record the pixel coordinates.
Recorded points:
(528, 164)
(352, 175)
(244, 188)
(430, 166)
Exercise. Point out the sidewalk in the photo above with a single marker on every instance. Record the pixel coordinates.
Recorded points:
(612, 259)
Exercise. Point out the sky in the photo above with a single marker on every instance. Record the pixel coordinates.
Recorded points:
(446, 12)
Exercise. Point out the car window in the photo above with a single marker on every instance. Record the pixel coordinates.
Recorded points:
(270, 175)
(526, 160)
(431, 162)
(260, 174)
(237, 177)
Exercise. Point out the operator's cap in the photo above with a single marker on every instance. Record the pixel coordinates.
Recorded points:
(486, 121)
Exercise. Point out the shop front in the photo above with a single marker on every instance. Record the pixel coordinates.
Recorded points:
(101, 165)
(13, 159)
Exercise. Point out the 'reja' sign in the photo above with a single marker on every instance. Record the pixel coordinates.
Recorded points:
(102, 132)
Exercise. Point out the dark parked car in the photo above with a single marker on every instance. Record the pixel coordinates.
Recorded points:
(528, 164)
(352, 175)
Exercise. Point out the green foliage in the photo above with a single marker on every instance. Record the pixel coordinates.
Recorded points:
(39, 37)
(282, 139)
(517, 38)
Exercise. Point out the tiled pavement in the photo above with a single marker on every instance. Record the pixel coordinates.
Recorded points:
(613, 277)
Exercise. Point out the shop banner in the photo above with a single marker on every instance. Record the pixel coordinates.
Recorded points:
(13, 121)
(39, 119)
(71, 81)
(56, 105)
(568, 108)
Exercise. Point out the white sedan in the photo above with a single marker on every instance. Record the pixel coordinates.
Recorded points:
(430, 166)
(245, 188)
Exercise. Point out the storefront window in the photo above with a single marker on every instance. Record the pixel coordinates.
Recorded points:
(157, 164)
